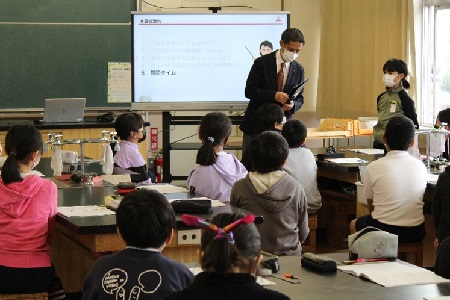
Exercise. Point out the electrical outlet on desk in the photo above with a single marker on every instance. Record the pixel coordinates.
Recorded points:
(189, 237)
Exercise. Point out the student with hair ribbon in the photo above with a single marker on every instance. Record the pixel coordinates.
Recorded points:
(229, 257)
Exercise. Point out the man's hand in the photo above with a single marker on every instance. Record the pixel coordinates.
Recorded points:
(281, 97)
(288, 106)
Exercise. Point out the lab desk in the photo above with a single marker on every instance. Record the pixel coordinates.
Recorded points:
(79, 241)
(341, 285)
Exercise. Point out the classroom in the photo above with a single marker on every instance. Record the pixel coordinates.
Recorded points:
(119, 65)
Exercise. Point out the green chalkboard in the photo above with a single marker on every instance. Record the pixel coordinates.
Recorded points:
(60, 48)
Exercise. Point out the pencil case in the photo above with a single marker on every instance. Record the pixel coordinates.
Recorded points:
(192, 206)
(318, 263)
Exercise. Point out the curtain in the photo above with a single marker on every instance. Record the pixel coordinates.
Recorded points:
(357, 38)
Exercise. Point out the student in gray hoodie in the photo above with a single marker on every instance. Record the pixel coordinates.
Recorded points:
(273, 193)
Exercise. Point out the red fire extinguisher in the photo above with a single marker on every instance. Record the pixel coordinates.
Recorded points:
(159, 167)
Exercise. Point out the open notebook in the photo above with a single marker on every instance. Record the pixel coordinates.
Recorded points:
(64, 110)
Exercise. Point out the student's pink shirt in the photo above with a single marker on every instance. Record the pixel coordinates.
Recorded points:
(27, 221)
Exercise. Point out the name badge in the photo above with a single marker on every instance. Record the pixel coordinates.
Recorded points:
(393, 107)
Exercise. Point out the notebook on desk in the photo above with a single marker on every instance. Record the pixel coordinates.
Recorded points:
(64, 110)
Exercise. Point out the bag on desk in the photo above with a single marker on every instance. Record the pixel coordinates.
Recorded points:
(372, 242)
(192, 206)
(318, 263)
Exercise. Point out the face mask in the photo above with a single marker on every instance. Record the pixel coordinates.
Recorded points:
(388, 80)
(288, 56)
(36, 162)
(144, 135)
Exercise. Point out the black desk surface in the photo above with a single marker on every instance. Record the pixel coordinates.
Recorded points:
(341, 285)
(94, 195)
(5, 125)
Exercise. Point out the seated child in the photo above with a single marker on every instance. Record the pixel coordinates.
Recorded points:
(441, 207)
(444, 117)
(130, 129)
(271, 192)
(229, 259)
(28, 208)
(394, 186)
(217, 170)
(268, 117)
(145, 221)
(301, 163)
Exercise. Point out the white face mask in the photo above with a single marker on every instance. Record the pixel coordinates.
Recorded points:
(36, 162)
(288, 56)
(388, 80)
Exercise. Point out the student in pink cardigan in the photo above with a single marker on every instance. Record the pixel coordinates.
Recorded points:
(27, 216)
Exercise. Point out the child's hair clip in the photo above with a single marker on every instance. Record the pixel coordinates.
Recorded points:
(221, 232)
(198, 222)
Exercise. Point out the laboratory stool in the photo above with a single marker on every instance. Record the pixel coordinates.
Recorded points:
(411, 252)
(310, 244)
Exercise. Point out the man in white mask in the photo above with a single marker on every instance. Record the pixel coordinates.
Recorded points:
(271, 78)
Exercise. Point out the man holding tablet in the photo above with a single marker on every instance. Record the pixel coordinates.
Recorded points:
(272, 79)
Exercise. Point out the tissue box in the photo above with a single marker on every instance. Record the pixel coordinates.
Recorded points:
(69, 157)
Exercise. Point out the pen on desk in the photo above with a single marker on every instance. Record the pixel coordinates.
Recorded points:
(364, 260)
(292, 279)
(290, 276)
(367, 260)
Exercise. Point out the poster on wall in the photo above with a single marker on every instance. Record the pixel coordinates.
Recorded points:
(119, 82)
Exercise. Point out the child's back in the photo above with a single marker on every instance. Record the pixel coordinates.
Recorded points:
(274, 194)
(230, 253)
(301, 163)
(283, 206)
(145, 221)
(217, 170)
(215, 181)
(135, 274)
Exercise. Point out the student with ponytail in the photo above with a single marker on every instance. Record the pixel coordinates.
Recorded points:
(394, 101)
(217, 170)
(230, 256)
(27, 217)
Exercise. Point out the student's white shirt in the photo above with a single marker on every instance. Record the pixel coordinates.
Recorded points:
(396, 183)
(302, 165)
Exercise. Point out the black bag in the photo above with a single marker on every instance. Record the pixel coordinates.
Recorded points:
(192, 206)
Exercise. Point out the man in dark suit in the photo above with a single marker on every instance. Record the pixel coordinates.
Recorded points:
(271, 78)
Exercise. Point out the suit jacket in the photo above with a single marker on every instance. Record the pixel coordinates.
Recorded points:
(262, 86)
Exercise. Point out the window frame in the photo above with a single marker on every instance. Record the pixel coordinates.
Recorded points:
(428, 105)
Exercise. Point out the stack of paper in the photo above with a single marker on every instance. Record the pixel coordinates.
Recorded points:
(347, 160)
(164, 188)
(393, 273)
(370, 151)
(84, 211)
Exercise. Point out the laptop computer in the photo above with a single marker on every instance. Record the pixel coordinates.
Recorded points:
(64, 110)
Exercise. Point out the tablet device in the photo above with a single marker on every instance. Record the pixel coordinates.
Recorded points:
(296, 90)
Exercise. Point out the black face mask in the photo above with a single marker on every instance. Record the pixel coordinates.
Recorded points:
(144, 135)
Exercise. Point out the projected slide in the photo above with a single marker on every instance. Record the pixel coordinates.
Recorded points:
(198, 57)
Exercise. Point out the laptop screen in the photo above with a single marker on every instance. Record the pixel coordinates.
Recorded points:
(64, 110)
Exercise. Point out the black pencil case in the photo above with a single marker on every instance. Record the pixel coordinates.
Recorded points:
(192, 206)
(318, 263)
